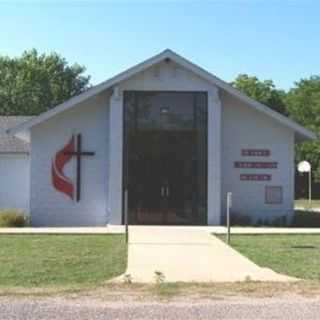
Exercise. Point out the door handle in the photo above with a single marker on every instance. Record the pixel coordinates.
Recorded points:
(168, 191)
(162, 192)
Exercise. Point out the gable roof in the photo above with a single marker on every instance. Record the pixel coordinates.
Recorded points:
(301, 132)
(11, 144)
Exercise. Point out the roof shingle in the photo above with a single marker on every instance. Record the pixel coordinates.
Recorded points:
(10, 144)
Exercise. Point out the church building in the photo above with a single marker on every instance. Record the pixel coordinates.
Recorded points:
(165, 139)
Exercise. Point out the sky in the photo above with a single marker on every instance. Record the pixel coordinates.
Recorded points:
(271, 39)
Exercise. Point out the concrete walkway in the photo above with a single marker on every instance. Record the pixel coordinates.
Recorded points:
(189, 254)
(110, 229)
(64, 230)
(315, 209)
(264, 230)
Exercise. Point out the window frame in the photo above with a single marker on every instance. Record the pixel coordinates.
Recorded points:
(267, 197)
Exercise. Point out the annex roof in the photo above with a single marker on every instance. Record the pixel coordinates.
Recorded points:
(9, 143)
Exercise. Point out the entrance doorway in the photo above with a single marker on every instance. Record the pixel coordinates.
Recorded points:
(165, 158)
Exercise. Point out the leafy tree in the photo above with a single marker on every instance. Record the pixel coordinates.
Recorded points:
(262, 91)
(34, 82)
(303, 103)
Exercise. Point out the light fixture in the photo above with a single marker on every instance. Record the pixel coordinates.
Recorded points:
(164, 110)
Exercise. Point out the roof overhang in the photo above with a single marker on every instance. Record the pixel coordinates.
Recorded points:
(301, 133)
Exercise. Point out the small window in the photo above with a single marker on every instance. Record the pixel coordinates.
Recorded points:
(274, 195)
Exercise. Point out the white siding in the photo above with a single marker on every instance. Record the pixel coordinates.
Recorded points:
(14, 182)
(50, 207)
(171, 77)
(232, 126)
(245, 128)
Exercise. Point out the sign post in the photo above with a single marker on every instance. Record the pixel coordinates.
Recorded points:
(305, 166)
(126, 214)
(229, 205)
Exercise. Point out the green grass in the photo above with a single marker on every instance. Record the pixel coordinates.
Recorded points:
(66, 261)
(294, 255)
(304, 203)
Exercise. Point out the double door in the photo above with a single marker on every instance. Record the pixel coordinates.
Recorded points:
(163, 175)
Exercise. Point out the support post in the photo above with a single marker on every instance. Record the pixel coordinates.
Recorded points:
(310, 191)
(126, 214)
(214, 157)
(115, 173)
(229, 205)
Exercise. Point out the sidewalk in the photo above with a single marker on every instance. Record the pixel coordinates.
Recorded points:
(189, 254)
(64, 230)
(264, 230)
(120, 229)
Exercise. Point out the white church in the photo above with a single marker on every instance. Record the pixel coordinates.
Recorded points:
(166, 133)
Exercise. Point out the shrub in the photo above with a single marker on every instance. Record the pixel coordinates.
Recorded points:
(306, 219)
(262, 223)
(242, 220)
(159, 277)
(279, 221)
(237, 219)
(127, 278)
(12, 219)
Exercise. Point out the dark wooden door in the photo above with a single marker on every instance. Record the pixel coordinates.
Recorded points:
(163, 171)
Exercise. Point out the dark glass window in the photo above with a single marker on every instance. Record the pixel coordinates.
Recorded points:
(165, 156)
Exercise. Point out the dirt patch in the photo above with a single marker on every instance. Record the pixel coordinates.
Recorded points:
(175, 291)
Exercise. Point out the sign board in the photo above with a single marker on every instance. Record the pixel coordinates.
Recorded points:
(304, 166)
(255, 152)
(255, 177)
(255, 165)
(229, 199)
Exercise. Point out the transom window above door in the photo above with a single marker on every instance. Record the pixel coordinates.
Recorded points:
(164, 110)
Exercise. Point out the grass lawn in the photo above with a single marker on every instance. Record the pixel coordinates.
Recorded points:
(304, 203)
(66, 261)
(294, 255)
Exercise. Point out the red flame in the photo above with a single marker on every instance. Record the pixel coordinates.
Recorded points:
(59, 180)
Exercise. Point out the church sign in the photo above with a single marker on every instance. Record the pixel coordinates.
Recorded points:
(255, 177)
(60, 181)
(255, 165)
(255, 152)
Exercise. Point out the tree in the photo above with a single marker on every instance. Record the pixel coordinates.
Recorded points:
(262, 91)
(34, 82)
(303, 103)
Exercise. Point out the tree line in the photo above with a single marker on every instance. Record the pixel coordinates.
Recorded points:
(34, 83)
(300, 103)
